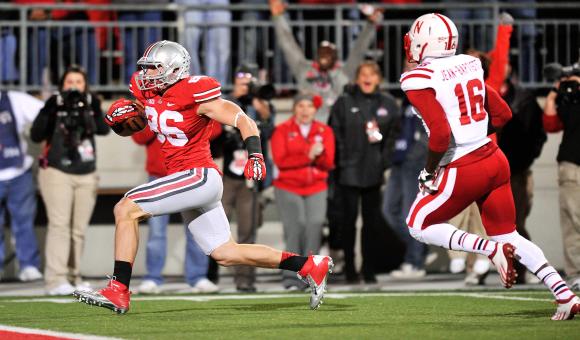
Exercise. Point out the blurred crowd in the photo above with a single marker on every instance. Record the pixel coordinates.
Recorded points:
(108, 52)
(345, 145)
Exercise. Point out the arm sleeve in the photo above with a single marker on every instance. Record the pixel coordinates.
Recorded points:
(43, 124)
(206, 88)
(280, 154)
(360, 47)
(292, 52)
(392, 133)
(434, 117)
(499, 57)
(417, 79)
(325, 161)
(102, 127)
(144, 136)
(28, 106)
(498, 109)
(335, 121)
(552, 123)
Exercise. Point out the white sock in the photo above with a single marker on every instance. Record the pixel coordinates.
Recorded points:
(527, 253)
(554, 282)
(447, 236)
(531, 256)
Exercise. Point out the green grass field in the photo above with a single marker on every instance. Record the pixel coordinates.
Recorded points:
(442, 315)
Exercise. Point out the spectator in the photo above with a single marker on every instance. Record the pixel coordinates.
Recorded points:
(67, 124)
(216, 38)
(303, 151)
(136, 39)
(196, 262)
(66, 44)
(8, 46)
(521, 140)
(365, 123)
(17, 189)
(480, 36)
(238, 197)
(326, 76)
(527, 69)
(407, 162)
(562, 113)
(252, 35)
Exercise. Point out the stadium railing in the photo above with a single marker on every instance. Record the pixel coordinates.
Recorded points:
(98, 45)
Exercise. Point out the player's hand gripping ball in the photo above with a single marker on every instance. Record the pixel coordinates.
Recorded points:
(126, 117)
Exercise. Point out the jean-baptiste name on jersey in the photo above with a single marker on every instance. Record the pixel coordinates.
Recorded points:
(461, 69)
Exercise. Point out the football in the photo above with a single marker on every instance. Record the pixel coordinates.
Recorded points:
(135, 124)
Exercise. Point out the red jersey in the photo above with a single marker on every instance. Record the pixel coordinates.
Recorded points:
(183, 133)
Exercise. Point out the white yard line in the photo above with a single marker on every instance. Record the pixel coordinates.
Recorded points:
(21, 331)
(206, 298)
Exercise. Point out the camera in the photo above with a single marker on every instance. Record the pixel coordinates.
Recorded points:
(568, 91)
(260, 90)
(555, 71)
(73, 106)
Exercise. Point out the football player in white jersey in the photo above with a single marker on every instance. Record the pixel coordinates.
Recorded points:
(464, 165)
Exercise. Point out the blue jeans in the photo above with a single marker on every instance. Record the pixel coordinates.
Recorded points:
(196, 262)
(79, 47)
(8, 45)
(20, 196)
(38, 50)
(398, 197)
(216, 39)
(136, 40)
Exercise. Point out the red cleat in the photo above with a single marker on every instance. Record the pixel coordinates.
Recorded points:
(503, 259)
(315, 272)
(567, 308)
(116, 297)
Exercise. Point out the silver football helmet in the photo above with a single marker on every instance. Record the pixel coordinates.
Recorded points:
(169, 58)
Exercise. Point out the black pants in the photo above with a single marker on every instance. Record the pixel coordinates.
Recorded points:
(334, 213)
(370, 199)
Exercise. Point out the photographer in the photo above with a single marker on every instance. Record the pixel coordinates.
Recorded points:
(67, 124)
(254, 99)
(562, 112)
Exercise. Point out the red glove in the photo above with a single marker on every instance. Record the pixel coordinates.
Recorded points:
(255, 167)
(121, 110)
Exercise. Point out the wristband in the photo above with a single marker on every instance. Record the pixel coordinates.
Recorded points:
(253, 145)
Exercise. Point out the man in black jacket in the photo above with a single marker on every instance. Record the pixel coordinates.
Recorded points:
(365, 123)
(522, 139)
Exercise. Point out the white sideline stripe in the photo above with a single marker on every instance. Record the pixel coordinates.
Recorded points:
(64, 335)
(207, 298)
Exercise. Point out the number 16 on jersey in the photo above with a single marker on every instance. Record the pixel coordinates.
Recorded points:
(474, 90)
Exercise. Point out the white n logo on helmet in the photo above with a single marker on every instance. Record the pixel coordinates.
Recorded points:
(432, 35)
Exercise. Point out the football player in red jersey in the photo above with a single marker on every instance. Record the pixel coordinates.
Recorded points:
(463, 164)
(181, 110)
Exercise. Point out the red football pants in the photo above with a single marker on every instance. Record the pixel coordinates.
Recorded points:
(485, 181)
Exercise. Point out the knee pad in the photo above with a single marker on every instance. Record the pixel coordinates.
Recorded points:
(529, 254)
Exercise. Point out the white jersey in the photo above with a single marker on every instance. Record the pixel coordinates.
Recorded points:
(460, 89)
